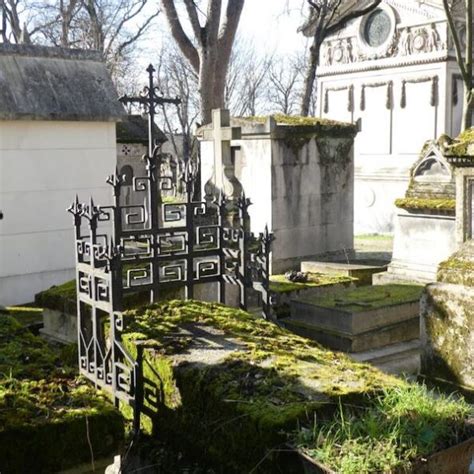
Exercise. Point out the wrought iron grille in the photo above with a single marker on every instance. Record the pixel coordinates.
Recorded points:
(153, 247)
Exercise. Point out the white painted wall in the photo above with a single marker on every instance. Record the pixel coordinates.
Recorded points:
(391, 139)
(43, 164)
(308, 206)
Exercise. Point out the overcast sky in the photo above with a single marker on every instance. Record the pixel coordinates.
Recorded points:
(270, 25)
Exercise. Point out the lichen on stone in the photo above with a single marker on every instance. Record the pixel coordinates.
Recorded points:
(49, 418)
(447, 205)
(366, 298)
(463, 145)
(279, 284)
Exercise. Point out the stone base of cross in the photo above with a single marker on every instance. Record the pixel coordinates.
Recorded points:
(223, 178)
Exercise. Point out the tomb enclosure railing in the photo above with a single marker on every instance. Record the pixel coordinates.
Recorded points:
(138, 253)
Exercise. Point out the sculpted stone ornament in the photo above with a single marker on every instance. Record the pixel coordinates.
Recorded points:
(434, 42)
(347, 51)
(328, 54)
(405, 47)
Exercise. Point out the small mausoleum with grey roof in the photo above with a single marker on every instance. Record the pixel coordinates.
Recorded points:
(58, 111)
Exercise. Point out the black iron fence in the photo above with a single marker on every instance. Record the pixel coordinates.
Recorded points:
(150, 248)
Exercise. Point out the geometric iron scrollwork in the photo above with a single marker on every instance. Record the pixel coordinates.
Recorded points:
(170, 245)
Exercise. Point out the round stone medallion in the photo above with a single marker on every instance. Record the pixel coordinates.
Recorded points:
(377, 28)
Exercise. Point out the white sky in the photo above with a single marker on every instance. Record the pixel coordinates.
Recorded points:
(273, 24)
(270, 25)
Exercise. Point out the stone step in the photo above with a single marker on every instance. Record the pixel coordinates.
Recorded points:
(354, 270)
(360, 319)
(397, 359)
(346, 342)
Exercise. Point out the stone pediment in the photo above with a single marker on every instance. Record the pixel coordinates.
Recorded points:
(432, 166)
(432, 176)
(397, 33)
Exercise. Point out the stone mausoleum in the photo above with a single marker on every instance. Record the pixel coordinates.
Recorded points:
(299, 175)
(58, 110)
(425, 222)
(395, 71)
(447, 306)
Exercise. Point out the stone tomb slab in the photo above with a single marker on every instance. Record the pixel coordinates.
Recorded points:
(357, 320)
(359, 270)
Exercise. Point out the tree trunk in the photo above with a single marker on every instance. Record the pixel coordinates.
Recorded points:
(310, 75)
(467, 108)
(207, 84)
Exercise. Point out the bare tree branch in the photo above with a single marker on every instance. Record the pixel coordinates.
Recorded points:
(179, 35)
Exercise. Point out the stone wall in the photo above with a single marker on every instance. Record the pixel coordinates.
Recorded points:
(42, 166)
(447, 322)
(300, 179)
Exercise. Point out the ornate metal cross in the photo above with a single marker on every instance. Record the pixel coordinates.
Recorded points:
(149, 98)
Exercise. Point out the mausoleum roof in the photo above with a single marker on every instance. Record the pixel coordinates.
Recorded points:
(42, 83)
(281, 126)
(134, 129)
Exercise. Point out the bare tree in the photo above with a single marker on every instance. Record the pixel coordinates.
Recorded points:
(463, 54)
(326, 17)
(210, 48)
(13, 29)
(284, 84)
(113, 27)
(247, 79)
(177, 78)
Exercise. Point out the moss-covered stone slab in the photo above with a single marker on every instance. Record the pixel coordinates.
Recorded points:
(359, 319)
(49, 419)
(361, 273)
(47, 426)
(458, 269)
(447, 333)
(229, 387)
(318, 284)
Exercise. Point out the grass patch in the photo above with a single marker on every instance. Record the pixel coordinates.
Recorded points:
(279, 283)
(25, 315)
(400, 426)
(368, 297)
(373, 237)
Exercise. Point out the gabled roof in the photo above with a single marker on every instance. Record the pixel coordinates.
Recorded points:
(134, 129)
(40, 83)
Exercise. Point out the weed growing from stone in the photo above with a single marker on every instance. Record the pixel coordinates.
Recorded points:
(403, 424)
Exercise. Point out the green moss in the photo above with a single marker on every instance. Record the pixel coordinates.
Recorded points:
(254, 386)
(26, 315)
(463, 145)
(426, 204)
(49, 419)
(398, 428)
(263, 382)
(47, 426)
(60, 298)
(456, 271)
(63, 297)
(23, 355)
(312, 125)
(367, 298)
(279, 283)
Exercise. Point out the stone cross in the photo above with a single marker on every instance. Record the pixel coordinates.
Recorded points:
(223, 177)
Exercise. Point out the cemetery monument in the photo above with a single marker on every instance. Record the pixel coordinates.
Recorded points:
(58, 110)
(395, 70)
(298, 173)
(447, 306)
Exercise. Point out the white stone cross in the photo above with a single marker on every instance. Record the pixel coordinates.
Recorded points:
(221, 133)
